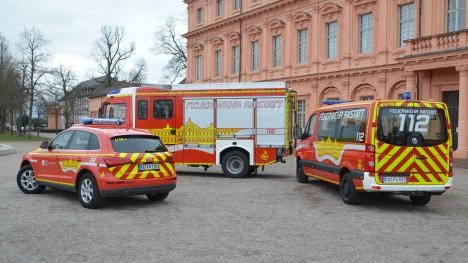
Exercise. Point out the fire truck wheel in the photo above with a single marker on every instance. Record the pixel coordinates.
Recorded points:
(420, 199)
(235, 164)
(348, 191)
(27, 182)
(300, 175)
(157, 197)
(88, 192)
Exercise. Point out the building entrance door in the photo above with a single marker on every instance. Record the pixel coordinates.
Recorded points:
(451, 99)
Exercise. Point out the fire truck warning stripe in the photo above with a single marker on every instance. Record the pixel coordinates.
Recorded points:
(394, 153)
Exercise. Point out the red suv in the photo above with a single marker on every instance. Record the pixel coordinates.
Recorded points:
(97, 161)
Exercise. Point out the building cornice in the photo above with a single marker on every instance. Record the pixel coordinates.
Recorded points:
(237, 18)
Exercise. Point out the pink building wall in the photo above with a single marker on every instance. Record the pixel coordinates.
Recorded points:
(432, 62)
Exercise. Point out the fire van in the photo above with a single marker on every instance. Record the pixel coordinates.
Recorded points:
(239, 125)
(397, 146)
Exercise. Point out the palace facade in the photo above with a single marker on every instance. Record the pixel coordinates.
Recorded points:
(337, 49)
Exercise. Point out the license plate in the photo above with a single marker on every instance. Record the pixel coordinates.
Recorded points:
(148, 166)
(394, 179)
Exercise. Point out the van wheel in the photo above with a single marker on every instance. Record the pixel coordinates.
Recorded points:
(27, 181)
(348, 191)
(157, 197)
(88, 192)
(420, 199)
(235, 164)
(300, 175)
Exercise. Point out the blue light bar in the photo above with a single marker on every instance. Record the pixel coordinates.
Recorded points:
(331, 102)
(406, 95)
(113, 92)
(101, 121)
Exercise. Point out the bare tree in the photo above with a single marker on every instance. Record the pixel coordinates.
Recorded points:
(110, 53)
(62, 83)
(31, 47)
(169, 42)
(137, 75)
(8, 81)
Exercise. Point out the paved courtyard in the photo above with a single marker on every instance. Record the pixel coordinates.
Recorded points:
(210, 218)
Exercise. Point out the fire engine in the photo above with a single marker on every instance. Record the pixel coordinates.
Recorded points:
(239, 126)
(398, 146)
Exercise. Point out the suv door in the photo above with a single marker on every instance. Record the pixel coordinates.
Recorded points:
(50, 167)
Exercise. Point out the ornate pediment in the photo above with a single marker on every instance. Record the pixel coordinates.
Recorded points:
(301, 16)
(276, 23)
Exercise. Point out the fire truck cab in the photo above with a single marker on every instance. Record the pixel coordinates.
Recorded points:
(240, 126)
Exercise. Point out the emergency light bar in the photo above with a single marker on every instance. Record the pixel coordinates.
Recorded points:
(102, 121)
(331, 102)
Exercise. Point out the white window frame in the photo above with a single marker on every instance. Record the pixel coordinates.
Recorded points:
(199, 15)
(332, 39)
(219, 8)
(457, 13)
(198, 67)
(301, 113)
(235, 60)
(365, 33)
(277, 51)
(302, 45)
(236, 6)
(405, 23)
(218, 63)
(255, 48)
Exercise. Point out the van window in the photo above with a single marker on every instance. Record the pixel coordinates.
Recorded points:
(142, 109)
(310, 125)
(346, 125)
(411, 126)
(162, 109)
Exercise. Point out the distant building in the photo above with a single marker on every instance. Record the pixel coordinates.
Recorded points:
(337, 49)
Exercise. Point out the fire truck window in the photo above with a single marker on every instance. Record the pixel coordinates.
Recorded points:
(61, 141)
(162, 109)
(142, 109)
(116, 111)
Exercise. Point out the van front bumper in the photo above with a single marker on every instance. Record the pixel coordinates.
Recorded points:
(370, 185)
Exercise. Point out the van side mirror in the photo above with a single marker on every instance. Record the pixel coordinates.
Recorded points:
(44, 145)
(298, 133)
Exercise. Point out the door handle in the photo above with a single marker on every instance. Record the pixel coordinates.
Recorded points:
(422, 157)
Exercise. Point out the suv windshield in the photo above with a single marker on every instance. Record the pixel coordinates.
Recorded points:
(408, 126)
(137, 144)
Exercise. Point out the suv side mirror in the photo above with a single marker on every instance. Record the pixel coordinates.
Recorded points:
(44, 145)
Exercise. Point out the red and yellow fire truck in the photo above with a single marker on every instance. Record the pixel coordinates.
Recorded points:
(239, 125)
(403, 147)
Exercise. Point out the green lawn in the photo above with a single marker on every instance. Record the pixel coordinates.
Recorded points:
(6, 137)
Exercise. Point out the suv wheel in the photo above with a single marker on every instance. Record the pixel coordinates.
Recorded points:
(27, 181)
(88, 192)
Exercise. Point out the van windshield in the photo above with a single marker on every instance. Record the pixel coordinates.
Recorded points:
(409, 126)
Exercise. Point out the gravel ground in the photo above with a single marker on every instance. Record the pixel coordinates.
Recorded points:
(209, 218)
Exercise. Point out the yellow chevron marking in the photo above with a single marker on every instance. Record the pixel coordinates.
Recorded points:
(144, 175)
(399, 159)
(170, 167)
(390, 154)
(164, 172)
(427, 104)
(383, 148)
(133, 173)
(122, 171)
(134, 157)
(112, 168)
(122, 155)
(155, 174)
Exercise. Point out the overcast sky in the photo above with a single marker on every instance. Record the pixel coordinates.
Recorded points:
(72, 27)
